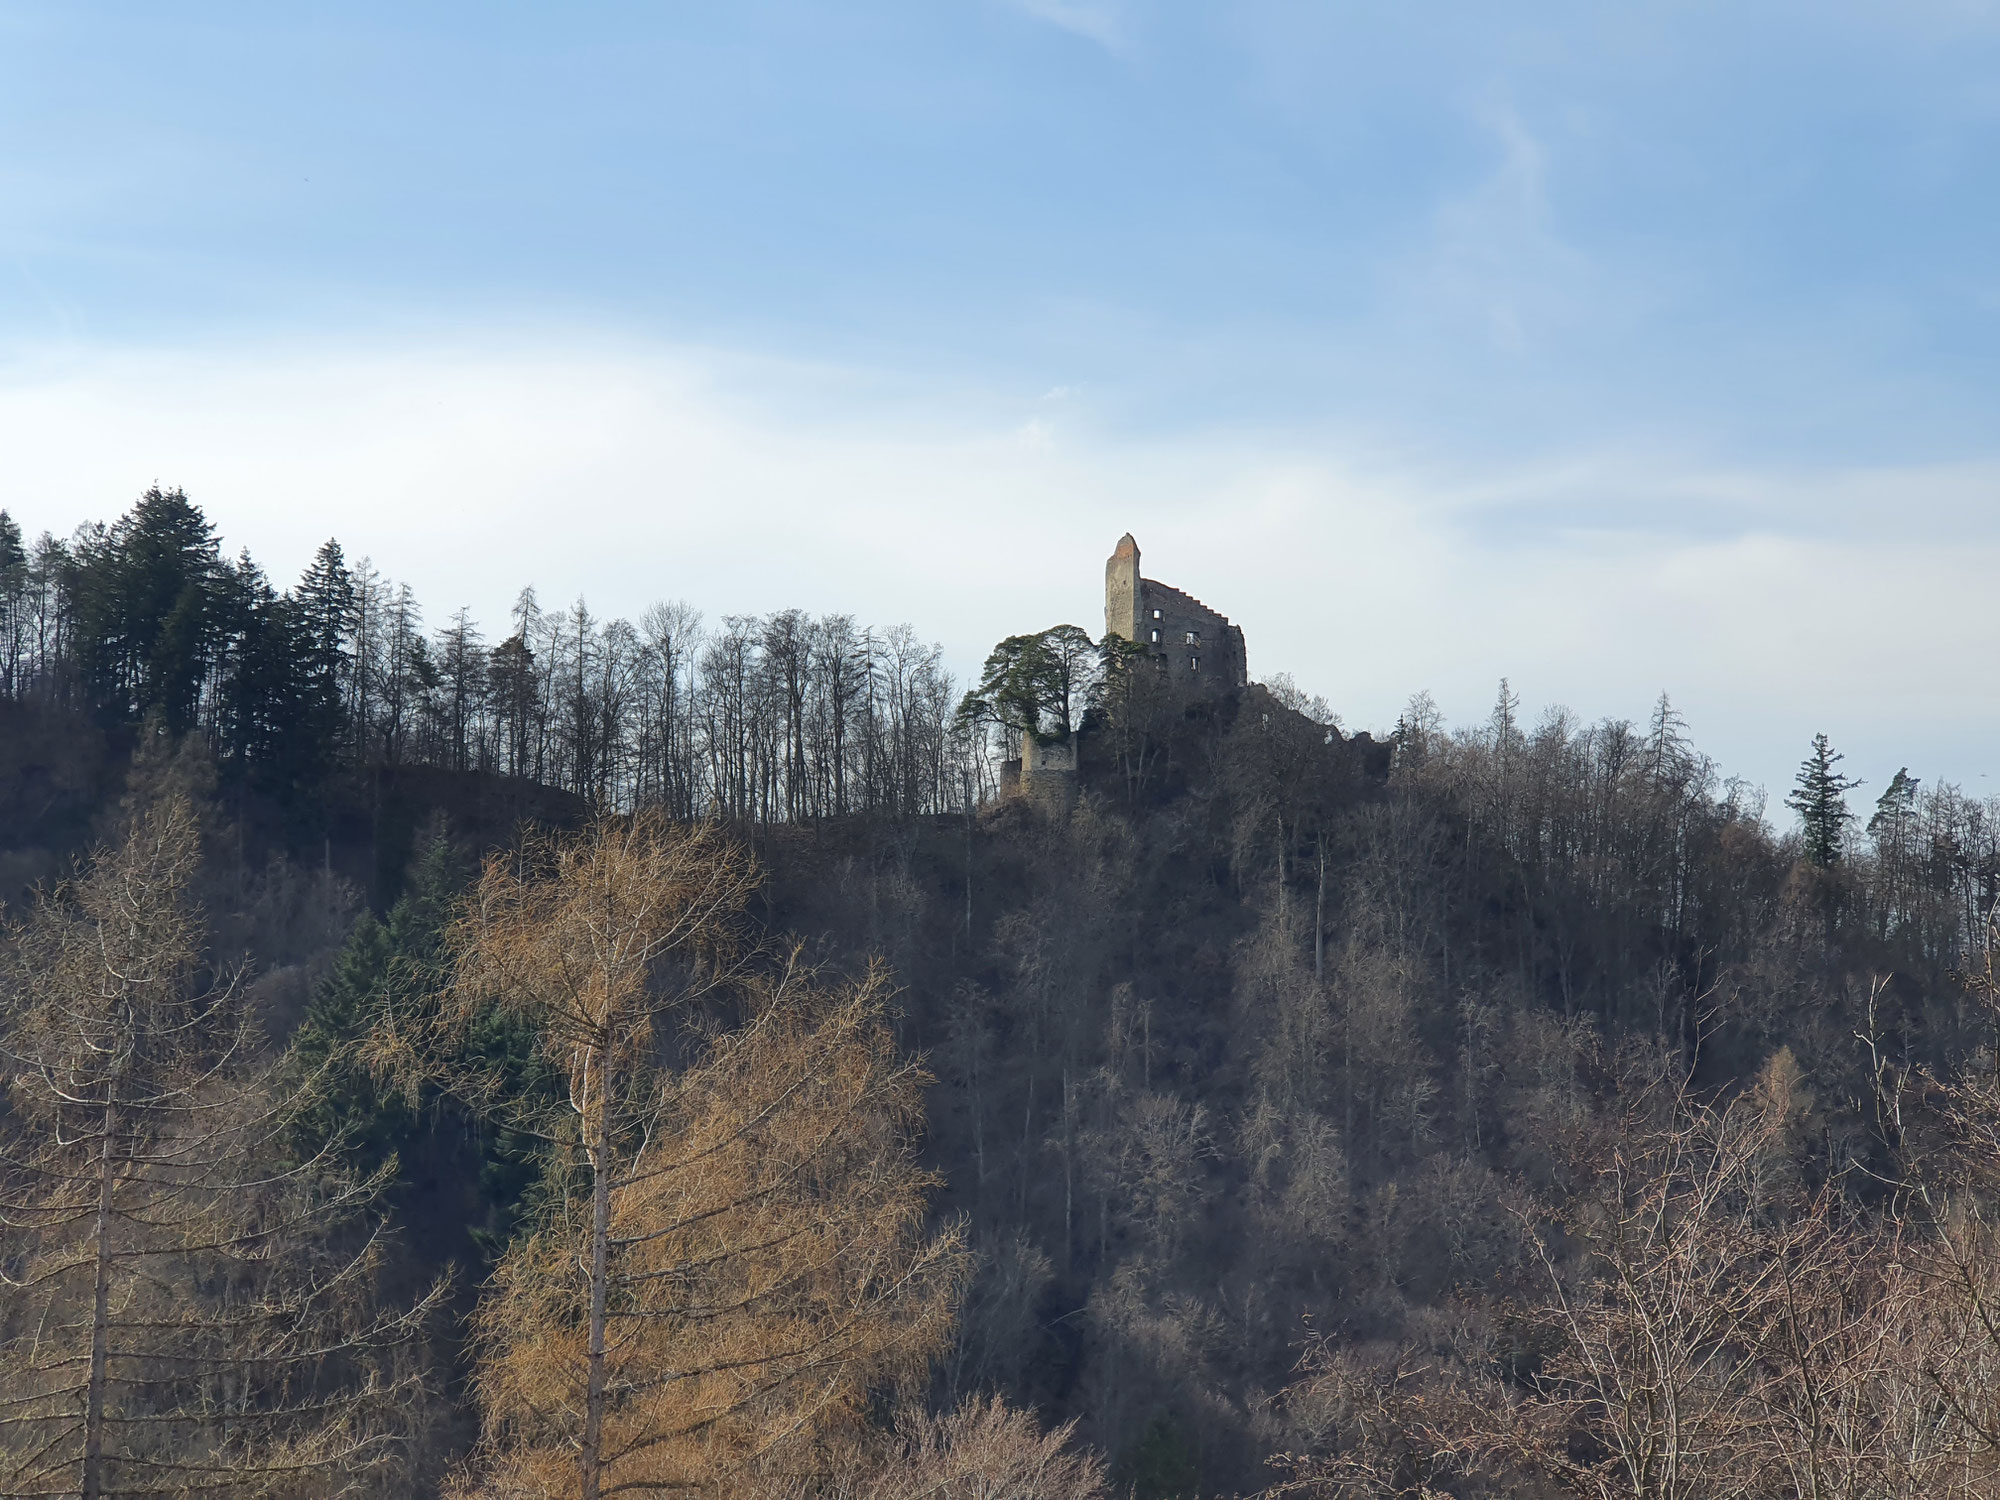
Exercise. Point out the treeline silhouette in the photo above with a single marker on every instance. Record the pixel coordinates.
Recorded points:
(1629, 824)
(755, 720)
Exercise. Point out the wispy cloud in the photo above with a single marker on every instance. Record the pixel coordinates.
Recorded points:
(1496, 256)
(1099, 21)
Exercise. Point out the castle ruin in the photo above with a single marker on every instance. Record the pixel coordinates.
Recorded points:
(1196, 647)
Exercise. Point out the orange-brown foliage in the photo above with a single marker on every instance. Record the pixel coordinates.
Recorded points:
(739, 1256)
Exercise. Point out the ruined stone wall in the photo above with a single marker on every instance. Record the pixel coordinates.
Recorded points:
(1048, 773)
(1195, 645)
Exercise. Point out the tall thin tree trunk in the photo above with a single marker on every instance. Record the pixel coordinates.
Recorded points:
(1027, 1141)
(1347, 1069)
(100, 1316)
(1069, 1181)
(1319, 918)
(978, 1117)
(600, 1236)
(1280, 820)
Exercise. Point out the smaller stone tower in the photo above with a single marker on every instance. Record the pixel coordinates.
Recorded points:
(1048, 773)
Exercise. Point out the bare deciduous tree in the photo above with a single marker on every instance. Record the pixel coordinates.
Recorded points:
(983, 1450)
(183, 1311)
(1700, 1340)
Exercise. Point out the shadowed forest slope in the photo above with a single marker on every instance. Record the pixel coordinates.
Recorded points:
(1271, 1058)
(1285, 1052)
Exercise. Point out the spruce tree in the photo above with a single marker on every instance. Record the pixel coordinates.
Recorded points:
(265, 733)
(386, 975)
(325, 606)
(387, 969)
(149, 594)
(1819, 798)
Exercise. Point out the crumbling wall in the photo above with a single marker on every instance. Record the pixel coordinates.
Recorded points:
(1193, 644)
(1048, 772)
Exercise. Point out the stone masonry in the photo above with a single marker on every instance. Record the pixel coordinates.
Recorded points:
(1046, 773)
(1198, 649)
(1195, 646)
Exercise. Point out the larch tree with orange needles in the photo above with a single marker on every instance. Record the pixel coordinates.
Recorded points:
(733, 1253)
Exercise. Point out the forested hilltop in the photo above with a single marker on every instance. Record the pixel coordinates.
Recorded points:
(656, 1059)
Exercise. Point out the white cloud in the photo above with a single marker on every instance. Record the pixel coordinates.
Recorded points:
(1098, 21)
(1496, 259)
(1853, 603)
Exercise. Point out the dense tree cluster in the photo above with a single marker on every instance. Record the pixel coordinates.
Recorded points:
(724, 1283)
(785, 717)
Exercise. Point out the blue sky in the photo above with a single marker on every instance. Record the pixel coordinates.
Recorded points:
(1609, 348)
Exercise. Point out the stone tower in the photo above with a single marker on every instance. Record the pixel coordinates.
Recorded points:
(1121, 590)
(1194, 645)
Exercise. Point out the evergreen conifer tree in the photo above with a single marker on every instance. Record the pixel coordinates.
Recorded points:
(1895, 807)
(1819, 798)
(1036, 683)
(265, 728)
(13, 588)
(148, 596)
(388, 967)
(388, 972)
(325, 604)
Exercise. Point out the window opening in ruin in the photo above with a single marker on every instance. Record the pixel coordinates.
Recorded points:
(1194, 663)
(1156, 638)
(1156, 614)
(1194, 637)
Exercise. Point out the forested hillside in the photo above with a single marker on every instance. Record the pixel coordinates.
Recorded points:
(1517, 1108)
